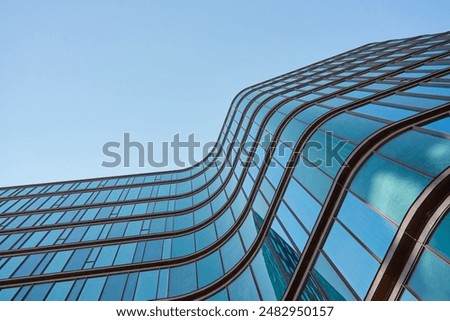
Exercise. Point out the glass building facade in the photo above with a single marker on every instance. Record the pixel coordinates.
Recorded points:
(349, 199)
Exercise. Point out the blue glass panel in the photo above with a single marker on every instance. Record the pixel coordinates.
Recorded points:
(182, 279)
(130, 286)
(250, 228)
(78, 259)
(312, 292)
(407, 296)
(431, 278)
(125, 254)
(106, 256)
(305, 208)
(58, 262)
(232, 252)
(153, 250)
(117, 230)
(183, 245)
(77, 234)
(432, 157)
(372, 229)
(330, 282)
(209, 269)
(429, 90)
(313, 179)
(440, 239)
(59, 291)
(384, 112)
(93, 233)
(389, 187)
(442, 125)
(352, 260)
(205, 237)
(219, 296)
(224, 222)
(413, 101)
(270, 283)
(352, 127)
(243, 288)
(8, 294)
(38, 292)
(294, 229)
(92, 289)
(114, 287)
(134, 228)
(146, 286)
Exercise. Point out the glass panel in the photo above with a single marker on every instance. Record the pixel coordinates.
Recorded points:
(389, 187)
(92, 289)
(330, 281)
(432, 157)
(305, 208)
(209, 269)
(352, 260)
(384, 112)
(243, 288)
(182, 279)
(431, 278)
(146, 286)
(442, 125)
(372, 229)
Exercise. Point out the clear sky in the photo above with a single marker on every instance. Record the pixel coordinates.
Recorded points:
(76, 74)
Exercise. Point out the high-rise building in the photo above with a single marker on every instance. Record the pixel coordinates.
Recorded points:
(349, 199)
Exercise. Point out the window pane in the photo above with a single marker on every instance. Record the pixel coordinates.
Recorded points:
(352, 260)
(389, 187)
(431, 278)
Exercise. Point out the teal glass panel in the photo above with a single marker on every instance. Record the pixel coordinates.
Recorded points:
(389, 187)
(314, 180)
(312, 292)
(429, 153)
(431, 278)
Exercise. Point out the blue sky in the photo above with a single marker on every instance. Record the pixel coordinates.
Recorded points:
(77, 74)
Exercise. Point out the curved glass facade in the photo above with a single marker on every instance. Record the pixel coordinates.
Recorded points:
(315, 176)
